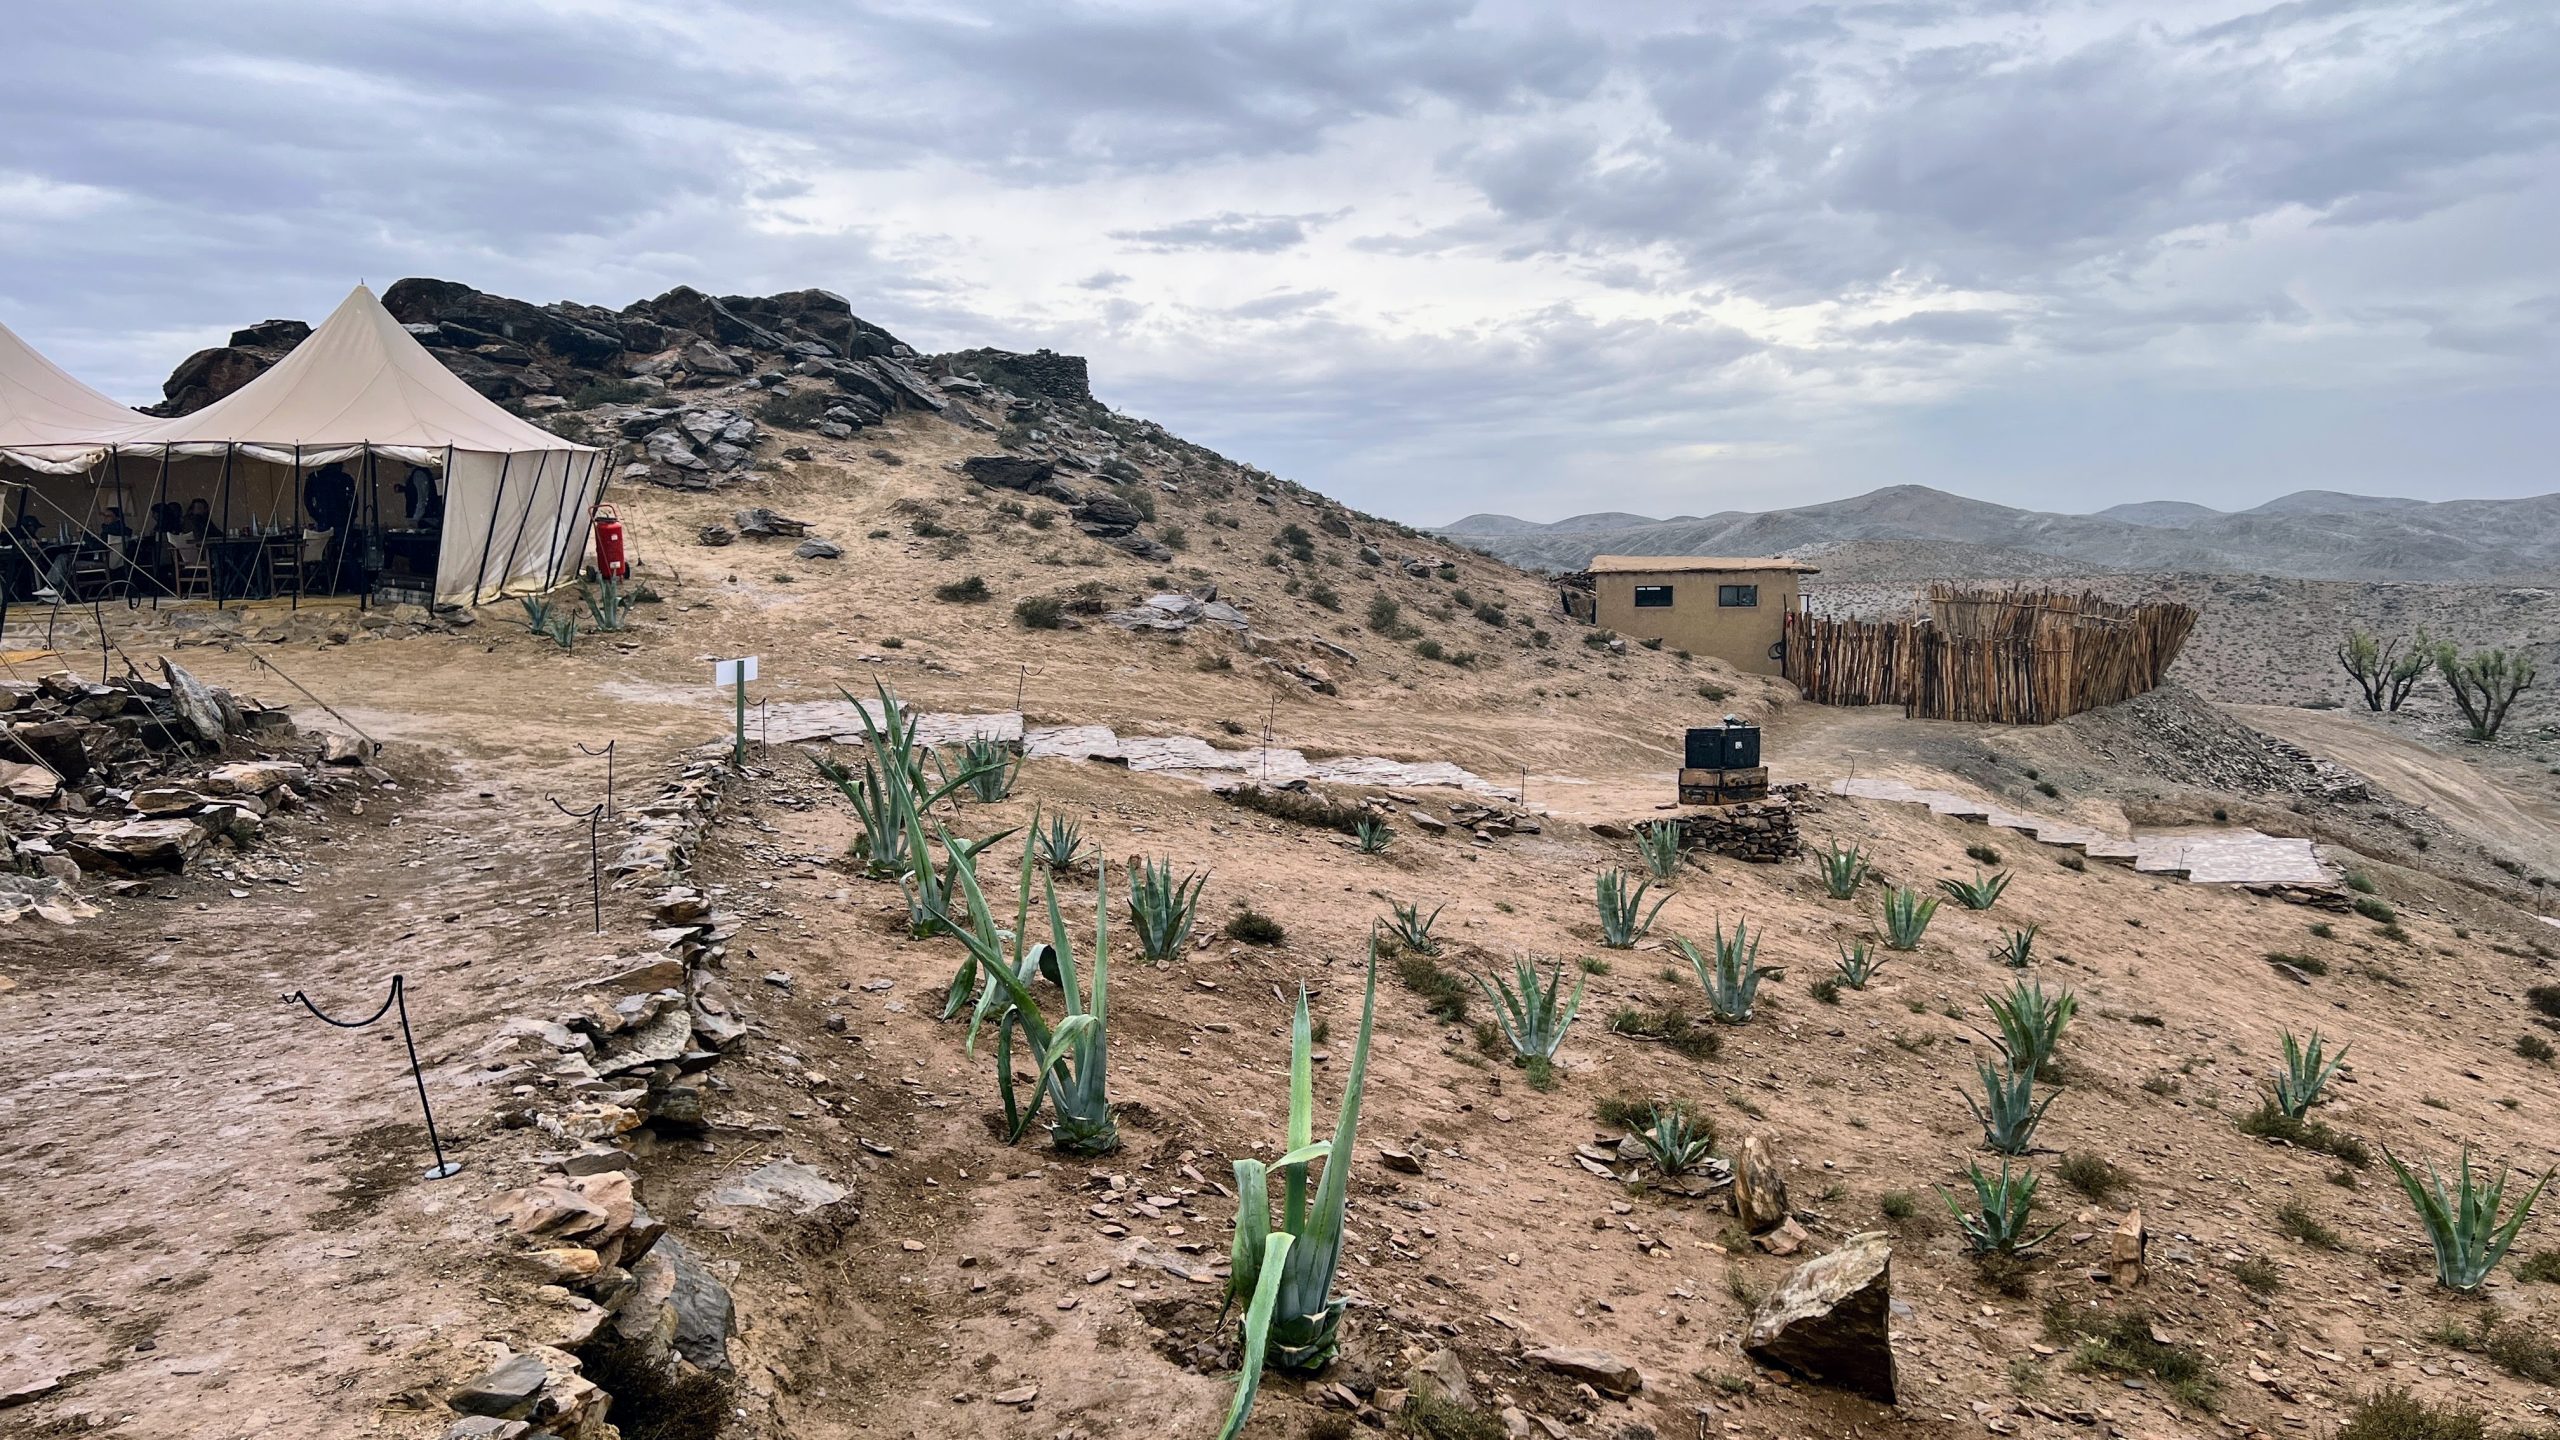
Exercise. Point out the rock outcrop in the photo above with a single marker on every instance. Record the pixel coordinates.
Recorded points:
(1830, 1320)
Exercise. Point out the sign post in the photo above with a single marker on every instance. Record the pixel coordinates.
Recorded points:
(735, 674)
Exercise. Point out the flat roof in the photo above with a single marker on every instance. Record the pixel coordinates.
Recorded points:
(1646, 564)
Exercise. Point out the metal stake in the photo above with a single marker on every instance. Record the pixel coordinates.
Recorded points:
(594, 816)
(443, 1169)
(607, 753)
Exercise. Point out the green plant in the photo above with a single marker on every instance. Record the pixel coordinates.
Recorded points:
(2017, 947)
(2375, 910)
(1841, 869)
(891, 786)
(1998, 1223)
(1676, 1141)
(1069, 1058)
(2542, 1267)
(2295, 1221)
(1859, 963)
(2258, 1275)
(2395, 1414)
(2485, 684)
(2128, 1342)
(1385, 615)
(987, 768)
(1658, 845)
(537, 613)
(968, 590)
(928, 891)
(1253, 927)
(2464, 1226)
(1623, 918)
(2092, 1175)
(562, 627)
(1443, 994)
(2533, 1047)
(604, 604)
(1906, 917)
(1983, 853)
(2385, 677)
(1732, 982)
(1372, 835)
(2008, 1111)
(1040, 612)
(1299, 807)
(1285, 1272)
(1412, 929)
(1162, 907)
(1898, 1205)
(2307, 1071)
(1979, 893)
(2031, 1023)
(1059, 845)
(1825, 990)
(2267, 1122)
(1529, 1012)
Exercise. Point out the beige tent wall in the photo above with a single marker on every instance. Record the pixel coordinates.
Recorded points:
(513, 524)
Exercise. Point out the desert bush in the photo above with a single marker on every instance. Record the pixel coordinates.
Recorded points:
(1252, 927)
(653, 1399)
(2092, 1176)
(2258, 1275)
(1039, 612)
(1325, 596)
(1983, 853)
(2485, 684)
(2295, 1221)
(2533, 1047)
(2306, 1074)
(1841, 869)
(1533, 1014)
(1411, 929)
(2468, 1227)
(2267, 1122)
(2127, 1342)
(2375, 910)
(1623, 918)
(1674, 1027)
(1386, 617)
(1732, 981)
(1979, 893)
(2003, 1207)
(1906, 917)
(1443, 994)
(1284, 1273)
(2008, 1110)
(1299, 807)
(1658, 845)
(968, 590)
(1162, 908)
(2381, 670)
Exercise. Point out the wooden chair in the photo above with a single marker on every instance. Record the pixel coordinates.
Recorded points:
(93, 574)
(284, 565)
(195, 569)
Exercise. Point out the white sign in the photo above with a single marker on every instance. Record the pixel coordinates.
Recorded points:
(725, 673)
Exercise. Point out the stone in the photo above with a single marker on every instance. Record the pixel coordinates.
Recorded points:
(1787, 1239)
(506, 1391)
(1104, 515)
(193, 702)
(1011, 472)
(715, 535)
(1603, 1370)
(33, 786)
(1443, 1374)
(760, 521)
(2128, 1246)
(786, 1186)
(1403, 1161)
(816, 549)
(254, 777)
(1830, 1319)
(705, 1315)
(704, 358)
(140, 845)
(337, 749)
(1759, 1186)
(488, 1427)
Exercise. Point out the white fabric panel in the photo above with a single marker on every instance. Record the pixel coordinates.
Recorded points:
(42, 406)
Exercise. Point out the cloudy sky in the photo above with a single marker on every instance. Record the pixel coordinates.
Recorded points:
(1433, 257)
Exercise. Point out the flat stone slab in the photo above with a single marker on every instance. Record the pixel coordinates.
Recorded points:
(2205, 856)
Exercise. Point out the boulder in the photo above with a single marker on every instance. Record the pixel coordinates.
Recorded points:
(254, 777)
(505, 1391)
(194, 703)
(139, 845)
(1603, 1370)
(786, 1186)
(1759, 1187)
(1011, 472)
(815, 549)
(758, 520)
(1441, 1373)
(1104, 515)
(1830, 1319)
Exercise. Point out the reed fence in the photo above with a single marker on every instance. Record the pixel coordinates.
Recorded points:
(2008, 657)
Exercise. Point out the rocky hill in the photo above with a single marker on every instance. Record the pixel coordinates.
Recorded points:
(2312, 534)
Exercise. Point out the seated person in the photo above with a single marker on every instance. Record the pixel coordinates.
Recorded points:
(199, 522)
(113, 527)
(168, 518)
(425, 506)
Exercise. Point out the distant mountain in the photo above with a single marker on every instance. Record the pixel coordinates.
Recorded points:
(2311, 535)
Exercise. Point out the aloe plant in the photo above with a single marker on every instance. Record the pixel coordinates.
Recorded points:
(1058, 844)
(1284, 1272)
(1841, 869)
(2017, 948)
(1533, 1014)
(1732, 981)
(1980, 893)
(890, 786)
(1412, 929)
(1859, 962)
(1162, 907)
(2009, 1110)
(1998, 1223)
(1658, 845)
(1906, 917)
(2464, 1226)
(1676, 1141)
(1372, 835)
(1623, 918)
(2031, 1023)
(2306, 1074)
(987, 768)
(929, 893)
(1070, 1058)
(537, 613)
(604, 604)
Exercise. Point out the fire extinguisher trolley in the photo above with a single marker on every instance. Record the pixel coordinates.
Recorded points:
(612, 562)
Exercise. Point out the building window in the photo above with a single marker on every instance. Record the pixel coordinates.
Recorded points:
(1653, 597)
(1736, 597)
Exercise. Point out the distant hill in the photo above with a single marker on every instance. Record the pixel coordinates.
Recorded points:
(2311, 534)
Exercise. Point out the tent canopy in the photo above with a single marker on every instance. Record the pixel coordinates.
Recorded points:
(52, 416)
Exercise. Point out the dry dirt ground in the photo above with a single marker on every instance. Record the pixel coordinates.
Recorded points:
(212, 1206)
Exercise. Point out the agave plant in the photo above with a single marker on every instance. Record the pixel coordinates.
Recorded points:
(2031, 1023)
(1980, 893)
(2306, 1074)
(929, 893)
(604, 604)
(2009, 1110)
(2464, 1226)
(537, 613)
(1841, 869)
(1906, 917)
(1623, 918)
(1998, 1224)
(890, 786)
(1162, 907)
(1733, 981)
(1859, 962)
(1676, 1141)
(1533, 1014)
(987, 768)
(1069, 1057)
(1284, 1272)
(2017, 948)
(1412, 929)
(1658, 844)
(1059, 844)
(1372, 835)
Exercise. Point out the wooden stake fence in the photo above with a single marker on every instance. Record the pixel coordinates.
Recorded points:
(2017, 657)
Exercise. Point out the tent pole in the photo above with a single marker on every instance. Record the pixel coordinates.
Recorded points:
(294, 517)
(159, 495)
(480, 574)
(228, 447)
(372, 484)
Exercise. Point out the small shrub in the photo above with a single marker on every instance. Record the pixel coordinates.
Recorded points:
(1443, 994)
(1826, 990)
(968, 590)
(2359, 882)
(2092, 1176)
(1385, 615)
(1255, 928)
(2323, 930)
(2542, 1267)
(2048, 789)
(1325, 596)
(1981, 853)
(2268, 1122)
(2395, 1414)
(1300, 807)
(2307, 964)
(2375, 910)
(1898, 1205)
(1039, 612)
(2258, 1275)
(2535, 1048)
(2123, 1344)
(2296, 1222)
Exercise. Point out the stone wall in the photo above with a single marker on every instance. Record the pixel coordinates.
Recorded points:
(1762, 831)
(1042, 372)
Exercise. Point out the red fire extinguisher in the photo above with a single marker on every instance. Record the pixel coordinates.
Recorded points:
(611, 562)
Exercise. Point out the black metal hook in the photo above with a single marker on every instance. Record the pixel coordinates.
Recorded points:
(397, 999)
(594, 816)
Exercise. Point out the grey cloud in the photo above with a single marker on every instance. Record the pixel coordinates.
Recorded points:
(1228, 230)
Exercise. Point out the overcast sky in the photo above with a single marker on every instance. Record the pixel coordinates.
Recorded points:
(1429, 256)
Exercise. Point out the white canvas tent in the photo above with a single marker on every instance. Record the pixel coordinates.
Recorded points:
(359, 392)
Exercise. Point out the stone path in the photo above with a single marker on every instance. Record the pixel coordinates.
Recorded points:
(1179, 755)
(2206, 857)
